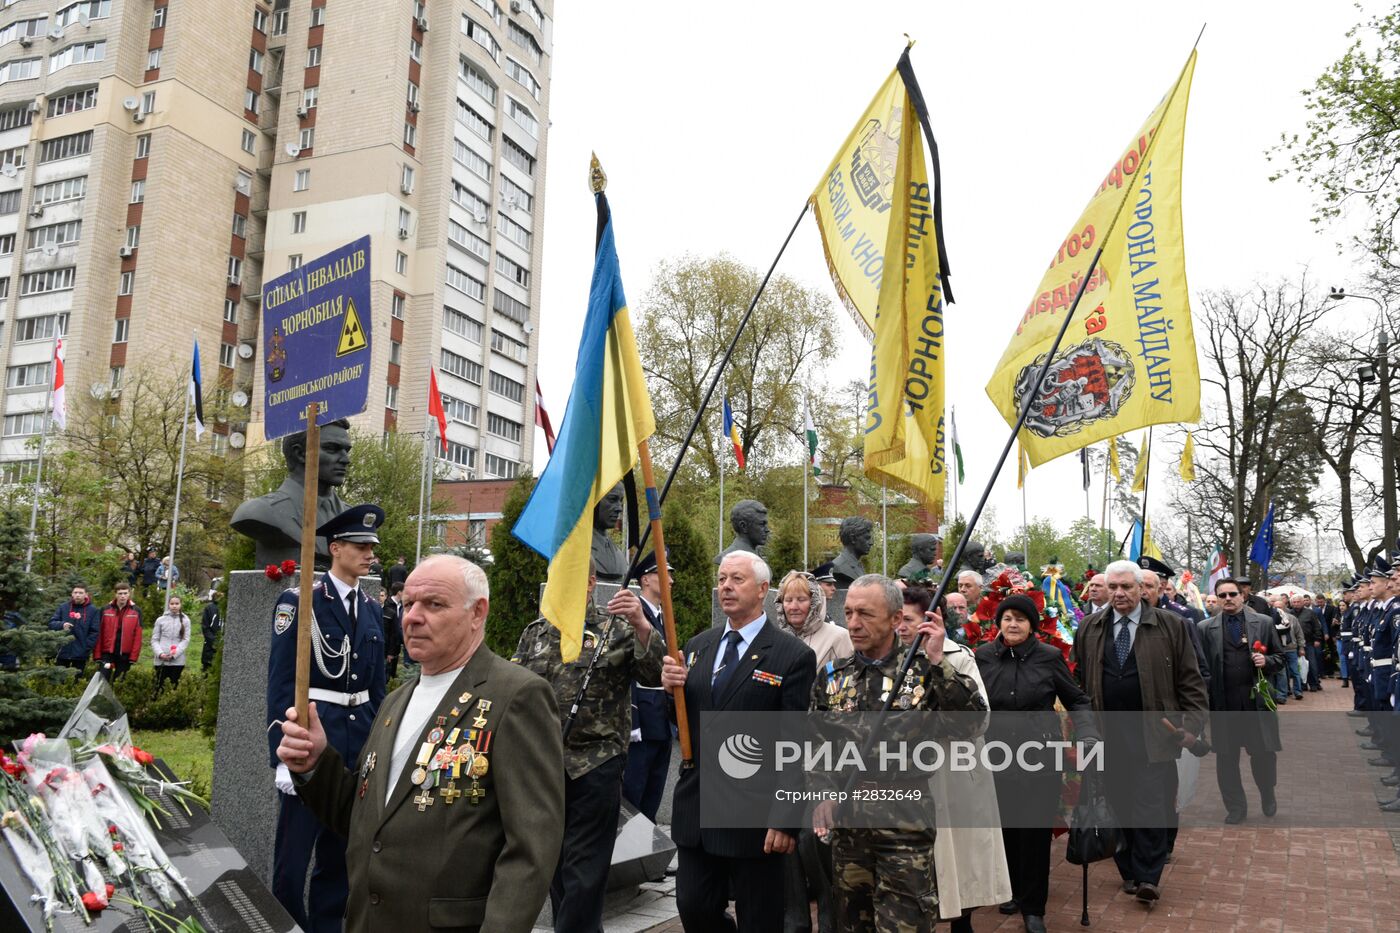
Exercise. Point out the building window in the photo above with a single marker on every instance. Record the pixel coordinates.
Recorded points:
(120, 331)
(64, 234)
(460, 411)
(15, 117)
(138, 191)
(309, 96)
(395, 352)
(318, 16)
(250, 142)
(313, 56)
(153, 60)
(500, 466)
(14, 156)
(30, 422)
(469, 241)
(457, 365)
(525, 42)
(235, 270)
(250, 100)
(415, 49)
(474, 162)
(259, 19)
(412, 94)
(512, 195)
(522, 76)
(240, 226)
(72, 102)
(523, 117)
(133, 237)
(481, 36)
(513, 231)
(65, 147)
(518, 157)
(230, 311)
(513, 271)
(477, 80)
(40, 328)
(21, 70)
(474, 121)
(143, 146)
(466, 284)
(406, 182)
(228, 354)
(507, 387)
(9, 201)
(158, 18)
(455, 322)
(512, 308)
(23, 29)
(307, 139)
(302, 181)
(299, 221)
(18, 471)
(405, 219)
(293, 262)
(491, 8)
(410, 134)
(77, 55)
(279, 22)
(67, 189)
(503, 427)
(128, 282)
(460, 454)
(7, 244)
(148, 102)
(50, 280)
(255, 61)
(27, 377)
(474, 204)
(396, 306)
(401, 263)
(391, 398)
(509, 347)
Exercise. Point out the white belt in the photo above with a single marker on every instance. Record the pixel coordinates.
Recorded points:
(1345, 634)
(1382, 662)
(1366, 648)
(338, 698)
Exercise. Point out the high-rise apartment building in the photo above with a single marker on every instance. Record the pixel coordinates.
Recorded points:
(159, 161)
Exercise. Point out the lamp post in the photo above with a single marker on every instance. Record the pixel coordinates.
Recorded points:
(1382, 371)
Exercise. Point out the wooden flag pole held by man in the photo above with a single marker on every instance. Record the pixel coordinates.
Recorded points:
(668, 615)
(305, 611)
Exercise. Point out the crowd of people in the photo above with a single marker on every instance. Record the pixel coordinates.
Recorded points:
(465, 773)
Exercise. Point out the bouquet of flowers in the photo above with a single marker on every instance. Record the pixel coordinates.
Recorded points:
(79, 813)
(1262, 689)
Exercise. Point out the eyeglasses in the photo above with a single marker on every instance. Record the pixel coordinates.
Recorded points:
(1234, 595)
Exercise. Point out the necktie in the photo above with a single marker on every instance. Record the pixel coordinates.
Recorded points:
(352, 600)
(1123, 643)
(1234, 630)
(727, 663)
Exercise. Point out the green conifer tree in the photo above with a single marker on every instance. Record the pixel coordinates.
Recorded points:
(515, 575)
(28, 676)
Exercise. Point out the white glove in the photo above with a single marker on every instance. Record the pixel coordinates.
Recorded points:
(636, 735)
(283, 780)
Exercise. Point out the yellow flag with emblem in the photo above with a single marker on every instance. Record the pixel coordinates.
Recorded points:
(1188, 459)
(1129, 357)
(875, 203)
(1140, 470)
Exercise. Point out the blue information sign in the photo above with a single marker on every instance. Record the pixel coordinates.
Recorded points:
(316, 340)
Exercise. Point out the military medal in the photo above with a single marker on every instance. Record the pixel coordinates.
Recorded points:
(365, 773)
(464, 698)
(450, 793)
(425, 754)
(419, 775)
(435, 736)
(480, 766)
(452, 736)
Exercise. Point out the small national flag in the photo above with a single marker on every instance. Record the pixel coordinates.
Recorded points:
(1219, 568)
(542, 418)
(435, 407)
(957, 448)
(810, 428)
(1262, 551)
(1140, 471)
(1188, 459)
(1114, 469)
(60, 406)
(197, 393)
(731, 431)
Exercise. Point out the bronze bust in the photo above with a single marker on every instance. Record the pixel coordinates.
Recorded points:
(609, 561)
(857, 538)
(749, 518)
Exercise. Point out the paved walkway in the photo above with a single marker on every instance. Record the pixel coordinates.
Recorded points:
(1248, 877)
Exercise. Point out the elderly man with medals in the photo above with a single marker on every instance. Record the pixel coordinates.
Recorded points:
(347, 684)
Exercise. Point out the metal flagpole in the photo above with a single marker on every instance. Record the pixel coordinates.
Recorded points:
(39, 470)
(955, 464)
(1105, 515)
(422, 484)
(179, 485)
(806, 471)
(1025, 522)
(721, 485)
(884, 530)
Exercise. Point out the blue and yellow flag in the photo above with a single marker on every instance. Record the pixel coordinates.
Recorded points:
(608, 415)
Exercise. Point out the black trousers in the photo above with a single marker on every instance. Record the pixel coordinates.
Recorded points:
(1232, 732)
(206, 656)
(1142, 794)
(644, 781)
(79, 664)
(1028, 864)
(168, 672)
(580, 882)
(115, 665)
(303, 845)
(703, 883)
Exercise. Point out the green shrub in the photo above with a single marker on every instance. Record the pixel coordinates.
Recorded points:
(176, 707)
(209, 716)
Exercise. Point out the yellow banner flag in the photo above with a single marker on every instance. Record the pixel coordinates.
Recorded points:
(1113, 466)
(1129, 358)
(1149, 547)
(1140, 470)
(1023, 466)
(875, 201)
(1188, 459)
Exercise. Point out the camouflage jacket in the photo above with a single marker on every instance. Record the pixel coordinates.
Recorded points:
(603, 725)
(856, 684)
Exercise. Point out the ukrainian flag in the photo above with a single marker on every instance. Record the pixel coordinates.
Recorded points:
(608, 416)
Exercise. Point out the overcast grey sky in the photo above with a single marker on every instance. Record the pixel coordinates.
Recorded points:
(716, 121)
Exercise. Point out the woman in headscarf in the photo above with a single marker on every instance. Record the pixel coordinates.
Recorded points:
(802, 612)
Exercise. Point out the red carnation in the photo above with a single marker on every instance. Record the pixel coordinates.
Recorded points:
(1259, 647)
(142, 756)
(272, 573)
(289, 567)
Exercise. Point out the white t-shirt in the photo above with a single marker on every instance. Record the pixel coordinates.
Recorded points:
(427, 696)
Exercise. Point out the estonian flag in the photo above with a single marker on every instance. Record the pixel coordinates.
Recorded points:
(197, 394)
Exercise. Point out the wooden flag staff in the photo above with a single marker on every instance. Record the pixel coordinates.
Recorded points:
(668, 615)
(305, 618)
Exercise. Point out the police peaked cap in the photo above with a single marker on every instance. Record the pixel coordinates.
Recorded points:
(358, 524)
(1156, 566)
(822, 573)
(648, 564)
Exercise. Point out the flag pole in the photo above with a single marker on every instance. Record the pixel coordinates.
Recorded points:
(422, 485)
(668, 614)
(721, 456)
(806, 470)
(43, 438)
(1146, 483)
(179, 486)
(305, 610)
(1025, 522)
(884, 528)
(955, 464)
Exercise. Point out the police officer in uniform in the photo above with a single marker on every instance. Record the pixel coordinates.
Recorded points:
(347, 684)
(885, 876)
(595, 750)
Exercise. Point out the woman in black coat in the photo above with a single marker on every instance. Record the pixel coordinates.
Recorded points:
(1025, 676)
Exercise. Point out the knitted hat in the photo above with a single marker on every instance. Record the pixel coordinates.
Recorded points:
(1021, 604)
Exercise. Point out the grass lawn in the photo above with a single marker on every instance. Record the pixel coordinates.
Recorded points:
(188, 753)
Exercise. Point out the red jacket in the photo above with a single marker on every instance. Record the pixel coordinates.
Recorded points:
(112, 623)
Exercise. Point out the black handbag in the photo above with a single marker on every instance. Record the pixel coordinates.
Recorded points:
(1093, 832)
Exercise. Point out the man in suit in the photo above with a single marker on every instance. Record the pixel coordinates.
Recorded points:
(393, 632)
(747, 665)
(1133, 657)
(1314, 636)
(1243, 717)
(472, 726)
(347, 682)
(649, 754)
